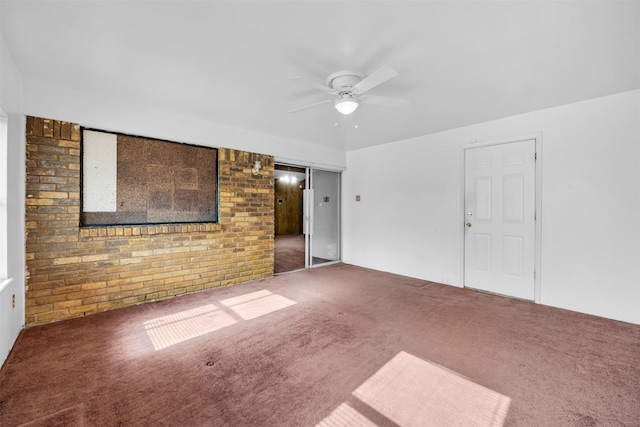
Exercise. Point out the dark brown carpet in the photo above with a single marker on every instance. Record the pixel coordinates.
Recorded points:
(344, 343)
(288, 253)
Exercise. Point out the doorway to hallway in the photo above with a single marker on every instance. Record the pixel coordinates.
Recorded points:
(289, 242)
(307, 218)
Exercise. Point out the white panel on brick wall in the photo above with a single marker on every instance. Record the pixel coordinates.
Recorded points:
(100, 164)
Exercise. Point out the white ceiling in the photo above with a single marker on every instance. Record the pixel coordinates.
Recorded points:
(231, 62)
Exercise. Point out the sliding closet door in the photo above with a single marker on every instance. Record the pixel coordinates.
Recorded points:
(324, 242)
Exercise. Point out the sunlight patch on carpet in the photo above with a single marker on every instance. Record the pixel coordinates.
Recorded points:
(175, 328)
(256, 304)
(345, 415)
(411, 392)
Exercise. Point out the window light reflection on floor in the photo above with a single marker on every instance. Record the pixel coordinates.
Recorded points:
(410, 391)
(178, 327)
(256, 304)
(345, 415)
(175, 328)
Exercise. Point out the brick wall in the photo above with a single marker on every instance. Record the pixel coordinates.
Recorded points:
(74, 271)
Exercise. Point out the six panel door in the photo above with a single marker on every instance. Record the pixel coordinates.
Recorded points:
(500, 219)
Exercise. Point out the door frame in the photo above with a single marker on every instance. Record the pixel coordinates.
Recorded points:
(537, 251)
(309, 166)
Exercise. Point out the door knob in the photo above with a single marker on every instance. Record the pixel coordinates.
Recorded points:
(468, 225)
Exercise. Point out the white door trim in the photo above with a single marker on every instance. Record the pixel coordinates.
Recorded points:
(538, 204)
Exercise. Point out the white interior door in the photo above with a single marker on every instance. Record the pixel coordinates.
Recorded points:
(321, 203)
(500, 219)
(325, 240)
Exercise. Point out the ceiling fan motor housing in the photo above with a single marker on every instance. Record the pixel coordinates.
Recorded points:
(343, 81)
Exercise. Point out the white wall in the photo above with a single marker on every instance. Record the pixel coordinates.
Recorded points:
(12, 319)
(409, 219)
(147, 120)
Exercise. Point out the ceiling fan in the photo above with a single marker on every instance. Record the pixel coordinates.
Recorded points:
(351, 88)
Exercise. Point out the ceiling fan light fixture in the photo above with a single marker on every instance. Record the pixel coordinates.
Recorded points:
(346, 104)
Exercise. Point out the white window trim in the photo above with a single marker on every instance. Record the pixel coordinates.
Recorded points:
(4, 146)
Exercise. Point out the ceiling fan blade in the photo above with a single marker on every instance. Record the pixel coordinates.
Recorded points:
(311, 84)
(310, 105)
(376, 78)
(386, 101)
